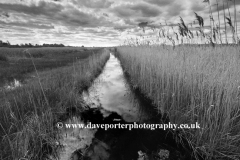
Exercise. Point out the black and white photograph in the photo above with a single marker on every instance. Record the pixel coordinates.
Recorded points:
(119, 80)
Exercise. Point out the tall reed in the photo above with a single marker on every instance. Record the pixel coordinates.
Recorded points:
(192, 84)
(28, 114)
(186, 33)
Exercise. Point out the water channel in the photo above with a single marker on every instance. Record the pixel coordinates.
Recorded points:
(111, 100)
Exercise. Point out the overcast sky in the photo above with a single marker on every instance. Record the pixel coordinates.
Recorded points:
(96, 22)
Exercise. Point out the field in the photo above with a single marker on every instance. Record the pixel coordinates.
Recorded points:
(189, 83)
(16, 63)
(192, 84)
(28, 114)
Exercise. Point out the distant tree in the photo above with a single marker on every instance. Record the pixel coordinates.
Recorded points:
(7, 44)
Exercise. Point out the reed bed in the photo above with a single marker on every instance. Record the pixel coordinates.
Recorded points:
(28, 114)
(192, 84)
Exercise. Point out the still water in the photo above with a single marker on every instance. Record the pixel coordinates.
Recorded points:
(111, 100)
(10, 85)
(111, 92)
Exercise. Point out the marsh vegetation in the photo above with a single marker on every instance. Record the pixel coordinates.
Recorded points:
(16, 63)
(192, 84)
(28, 114)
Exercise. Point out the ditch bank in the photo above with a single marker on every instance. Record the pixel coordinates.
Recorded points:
(29, 113)
(113, 101)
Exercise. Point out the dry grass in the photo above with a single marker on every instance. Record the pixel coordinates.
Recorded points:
(28, 114)
(193, 84)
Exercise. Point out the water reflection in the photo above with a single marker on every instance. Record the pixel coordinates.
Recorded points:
(75, 139)
(110, 98)
(112, 92)
(16, 83)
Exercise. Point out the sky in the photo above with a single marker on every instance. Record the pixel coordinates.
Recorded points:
(102, 22)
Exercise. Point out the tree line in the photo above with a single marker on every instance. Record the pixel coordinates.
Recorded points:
(27, 45)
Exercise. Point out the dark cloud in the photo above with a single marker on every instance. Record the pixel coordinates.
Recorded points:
(146, 10)
(19, 35)
(27, 25)
(142, 19)
(56, 13)
(136, 10)
(77, 18)
(93, 3)
(4, 15)
(219, 7)
(19, 29)
(100, 32)
(174, 10)
(98, 19)
(105, 14)
(128, 21)
(196, 7)
(43, 8)
(160, 2)
(215, 8)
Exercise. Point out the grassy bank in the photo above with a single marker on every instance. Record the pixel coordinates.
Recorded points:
(193, 84)
(28, 114)
(15, 63)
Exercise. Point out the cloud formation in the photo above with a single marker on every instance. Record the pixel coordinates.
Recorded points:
(108, 21)
(43, 8)
(160, 3)
(136, 10)
(93, 3)
(27, 25)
